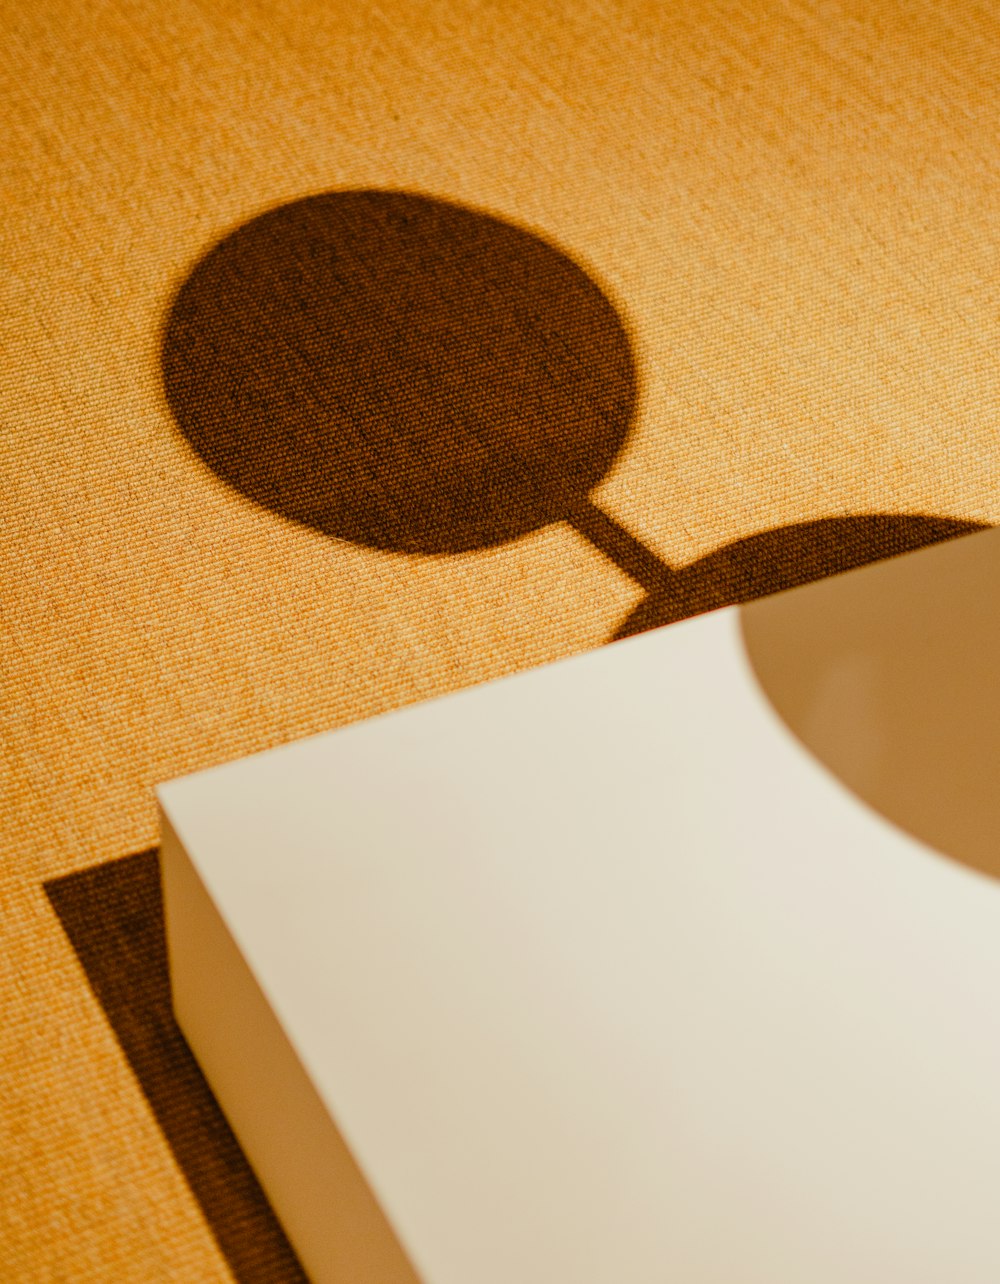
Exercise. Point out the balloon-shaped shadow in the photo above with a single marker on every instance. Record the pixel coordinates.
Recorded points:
(399, 372)
(415, 376)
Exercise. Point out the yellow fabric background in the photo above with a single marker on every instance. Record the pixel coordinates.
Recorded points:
(794, 206)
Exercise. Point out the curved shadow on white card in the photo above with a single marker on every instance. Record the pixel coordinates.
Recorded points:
(890, 675)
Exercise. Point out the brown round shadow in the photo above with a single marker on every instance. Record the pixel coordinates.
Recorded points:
(399, 371)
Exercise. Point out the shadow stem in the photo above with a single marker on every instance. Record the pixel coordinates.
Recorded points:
(621, 547)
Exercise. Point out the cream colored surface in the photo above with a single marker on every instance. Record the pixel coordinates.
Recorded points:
(891, 676)
(602, 978)
(795, 207)
(315, 1186)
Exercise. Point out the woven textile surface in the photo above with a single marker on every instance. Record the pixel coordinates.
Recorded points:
(732, 323)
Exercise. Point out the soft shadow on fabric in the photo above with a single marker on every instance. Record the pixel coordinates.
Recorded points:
(416, 376)
(785, 558)
(398, 371)
(113, 916)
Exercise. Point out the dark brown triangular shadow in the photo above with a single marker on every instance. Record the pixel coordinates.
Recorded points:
(113, 916)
